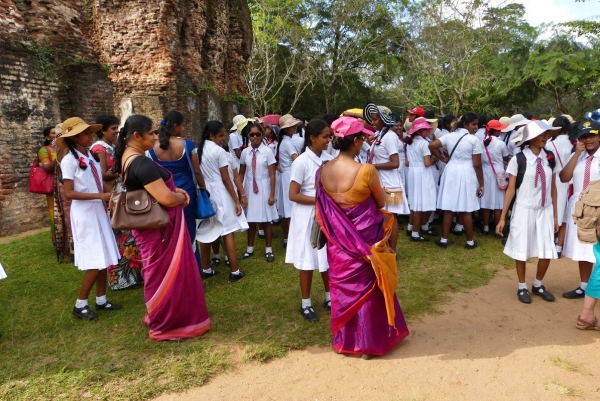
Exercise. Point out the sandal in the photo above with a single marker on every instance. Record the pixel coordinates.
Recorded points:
(587, 325)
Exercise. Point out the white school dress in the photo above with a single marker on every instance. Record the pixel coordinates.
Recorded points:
(402, 170)
(213, 158)
(93, 237)
(458, 184)
(441, 165)
(383, 147)
(286, 150)
(235, 142)
(480, 134)
(511, 146)
(531, 224)
(2, 272)
(299, 251)
(493, 196)
(421, 181)
(259, 210)
(561, 147)
(573, 249)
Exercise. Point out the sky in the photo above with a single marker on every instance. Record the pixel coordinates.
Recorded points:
(547, 11)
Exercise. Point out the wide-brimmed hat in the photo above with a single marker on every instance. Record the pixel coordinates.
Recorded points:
(242, 124)
(386, 118)
(235, 121)
(419, 124)
(568, 117)
(346, 126)
(496, 125)
(417, 111)
(287, 121)
(74, 126)
(591, 127)
(593, 115)
(516, 121)
(208, 230)
(504, 120)
(272, 119)
(535, 129)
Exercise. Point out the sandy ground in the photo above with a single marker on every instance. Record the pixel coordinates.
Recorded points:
(11, 238)
(485, 346)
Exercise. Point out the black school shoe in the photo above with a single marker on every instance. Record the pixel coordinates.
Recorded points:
(523, 296)
(236, 277)
(109, 306)
(206, 275)
(418, 239)
(575, 294)
(441, 244)
(431, 231)
(309, 314)
(270, 257)
(541, 292)
(84, 313)
(467, 246)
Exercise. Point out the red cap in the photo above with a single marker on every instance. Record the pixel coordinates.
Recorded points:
(418, 111)
(496, 124)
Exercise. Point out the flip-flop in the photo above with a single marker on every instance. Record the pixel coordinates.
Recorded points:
(587, 325)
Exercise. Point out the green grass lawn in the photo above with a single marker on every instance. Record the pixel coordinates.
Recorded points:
(48, 354)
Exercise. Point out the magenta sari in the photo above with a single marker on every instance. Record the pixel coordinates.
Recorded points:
(172, 284)
(365, 314)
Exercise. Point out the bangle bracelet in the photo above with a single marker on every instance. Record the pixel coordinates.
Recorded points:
(242, 195)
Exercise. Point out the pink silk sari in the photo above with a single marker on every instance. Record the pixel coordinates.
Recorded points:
(172, 284)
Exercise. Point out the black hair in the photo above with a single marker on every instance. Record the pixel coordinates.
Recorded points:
(564, 124)
(211, 128)
(398, 118)
(409, 139)
(329, 118)
(429, 114)
(344, 143)
(446, 120)
(299, 127)
(134, 123)
(279, 140)
(71, 145)
(167, 125)
(467, 118)
(483, 120)
(46, 132)
(527, 115)
(314, 128)
(107, 121)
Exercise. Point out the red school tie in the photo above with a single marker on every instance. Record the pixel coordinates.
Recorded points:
(586, 174)
(96, 177)
(254, 184)
(539, 173)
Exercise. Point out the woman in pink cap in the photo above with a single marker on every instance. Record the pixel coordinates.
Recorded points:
(366, 318)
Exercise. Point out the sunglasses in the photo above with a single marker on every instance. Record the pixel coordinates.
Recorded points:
(254, 134)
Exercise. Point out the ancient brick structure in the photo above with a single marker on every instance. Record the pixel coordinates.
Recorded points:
(60, 58)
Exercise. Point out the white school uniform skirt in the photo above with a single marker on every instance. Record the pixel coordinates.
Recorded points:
(421, 189)
(299, 251)
(531, 233)
(2, 272)
(391, 179)
(493, 197)
(458, 188)
(284, 205)
(225, 207)
(573, 249)
(93, 238)
(259, 210)
(562, 201)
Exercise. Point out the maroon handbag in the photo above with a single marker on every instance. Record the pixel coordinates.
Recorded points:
(40, 182)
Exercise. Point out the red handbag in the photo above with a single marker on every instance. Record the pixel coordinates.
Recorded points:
(40, 182)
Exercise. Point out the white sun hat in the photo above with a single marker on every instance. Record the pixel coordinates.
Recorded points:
(535, 129)
(516, 121)
(208, 230)
(236, 120)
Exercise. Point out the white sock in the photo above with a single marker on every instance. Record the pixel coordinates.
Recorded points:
(425, 227)
(522, 286)
(235, 273)
(268, 249)
(306, 303)
(217, 256)
(431, 218)
(208, 271)
(537, 283)
(250, 249)
(101, 300)
(558, 248)
(80, 303)
(226, 258)
(409, 227)
(327, 296)
(261, 232)
(486, 228)
(459, 227)
(415, 234)
(471, 243)
(444, 240)
(583, 286)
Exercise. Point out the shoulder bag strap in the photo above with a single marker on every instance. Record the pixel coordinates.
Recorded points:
(490, 159)
(558, 154)
(189, 159)
(456, 146)
(126, 170)
(49, 153)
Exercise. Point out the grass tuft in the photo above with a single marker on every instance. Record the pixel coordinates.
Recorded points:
(567, 391)
(264, 352)
(563, 363)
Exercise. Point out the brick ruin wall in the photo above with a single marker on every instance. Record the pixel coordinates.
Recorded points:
(64, 58)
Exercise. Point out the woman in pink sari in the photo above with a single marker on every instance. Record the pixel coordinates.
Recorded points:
(366, 318)
(172, 284)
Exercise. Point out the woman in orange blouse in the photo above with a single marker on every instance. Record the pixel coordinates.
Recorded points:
(47, 157)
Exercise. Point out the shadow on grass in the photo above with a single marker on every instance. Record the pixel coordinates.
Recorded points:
(47, 354)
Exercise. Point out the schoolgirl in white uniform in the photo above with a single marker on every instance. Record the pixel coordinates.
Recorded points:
(533, 221)
(448, 124)
(215, 168)
(383, 155)
(235, 139)
(493, 160)
(462, 181)
(257, 168)
(93, 237)
(402, 168)
(562, 148)
(421, 184)
(302, 193)
(582, 168)
(288, 152)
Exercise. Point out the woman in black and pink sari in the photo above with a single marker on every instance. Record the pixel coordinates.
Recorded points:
(366, 318)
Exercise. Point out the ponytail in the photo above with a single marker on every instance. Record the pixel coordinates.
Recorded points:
(167, 126)
(314, 128)
(211, 128)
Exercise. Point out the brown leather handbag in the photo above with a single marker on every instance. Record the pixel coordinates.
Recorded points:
(135, 210)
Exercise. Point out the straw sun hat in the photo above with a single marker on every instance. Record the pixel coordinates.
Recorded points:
(74, 126)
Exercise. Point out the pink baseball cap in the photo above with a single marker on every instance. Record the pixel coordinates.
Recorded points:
(346, 126)
(418, 124)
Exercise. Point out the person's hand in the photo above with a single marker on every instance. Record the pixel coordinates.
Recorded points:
(105, 196)
(238, 209)
(579, 148)
(480, 191)
(271, 200)
(500, 228)
(244, 202)
(187, 197)
(556, 227)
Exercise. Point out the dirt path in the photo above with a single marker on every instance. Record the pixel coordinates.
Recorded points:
(11, 238)
(486, 346)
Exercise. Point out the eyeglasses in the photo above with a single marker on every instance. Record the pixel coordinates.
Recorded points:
(252, 135)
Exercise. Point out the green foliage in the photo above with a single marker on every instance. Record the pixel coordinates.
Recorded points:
(45, 58)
